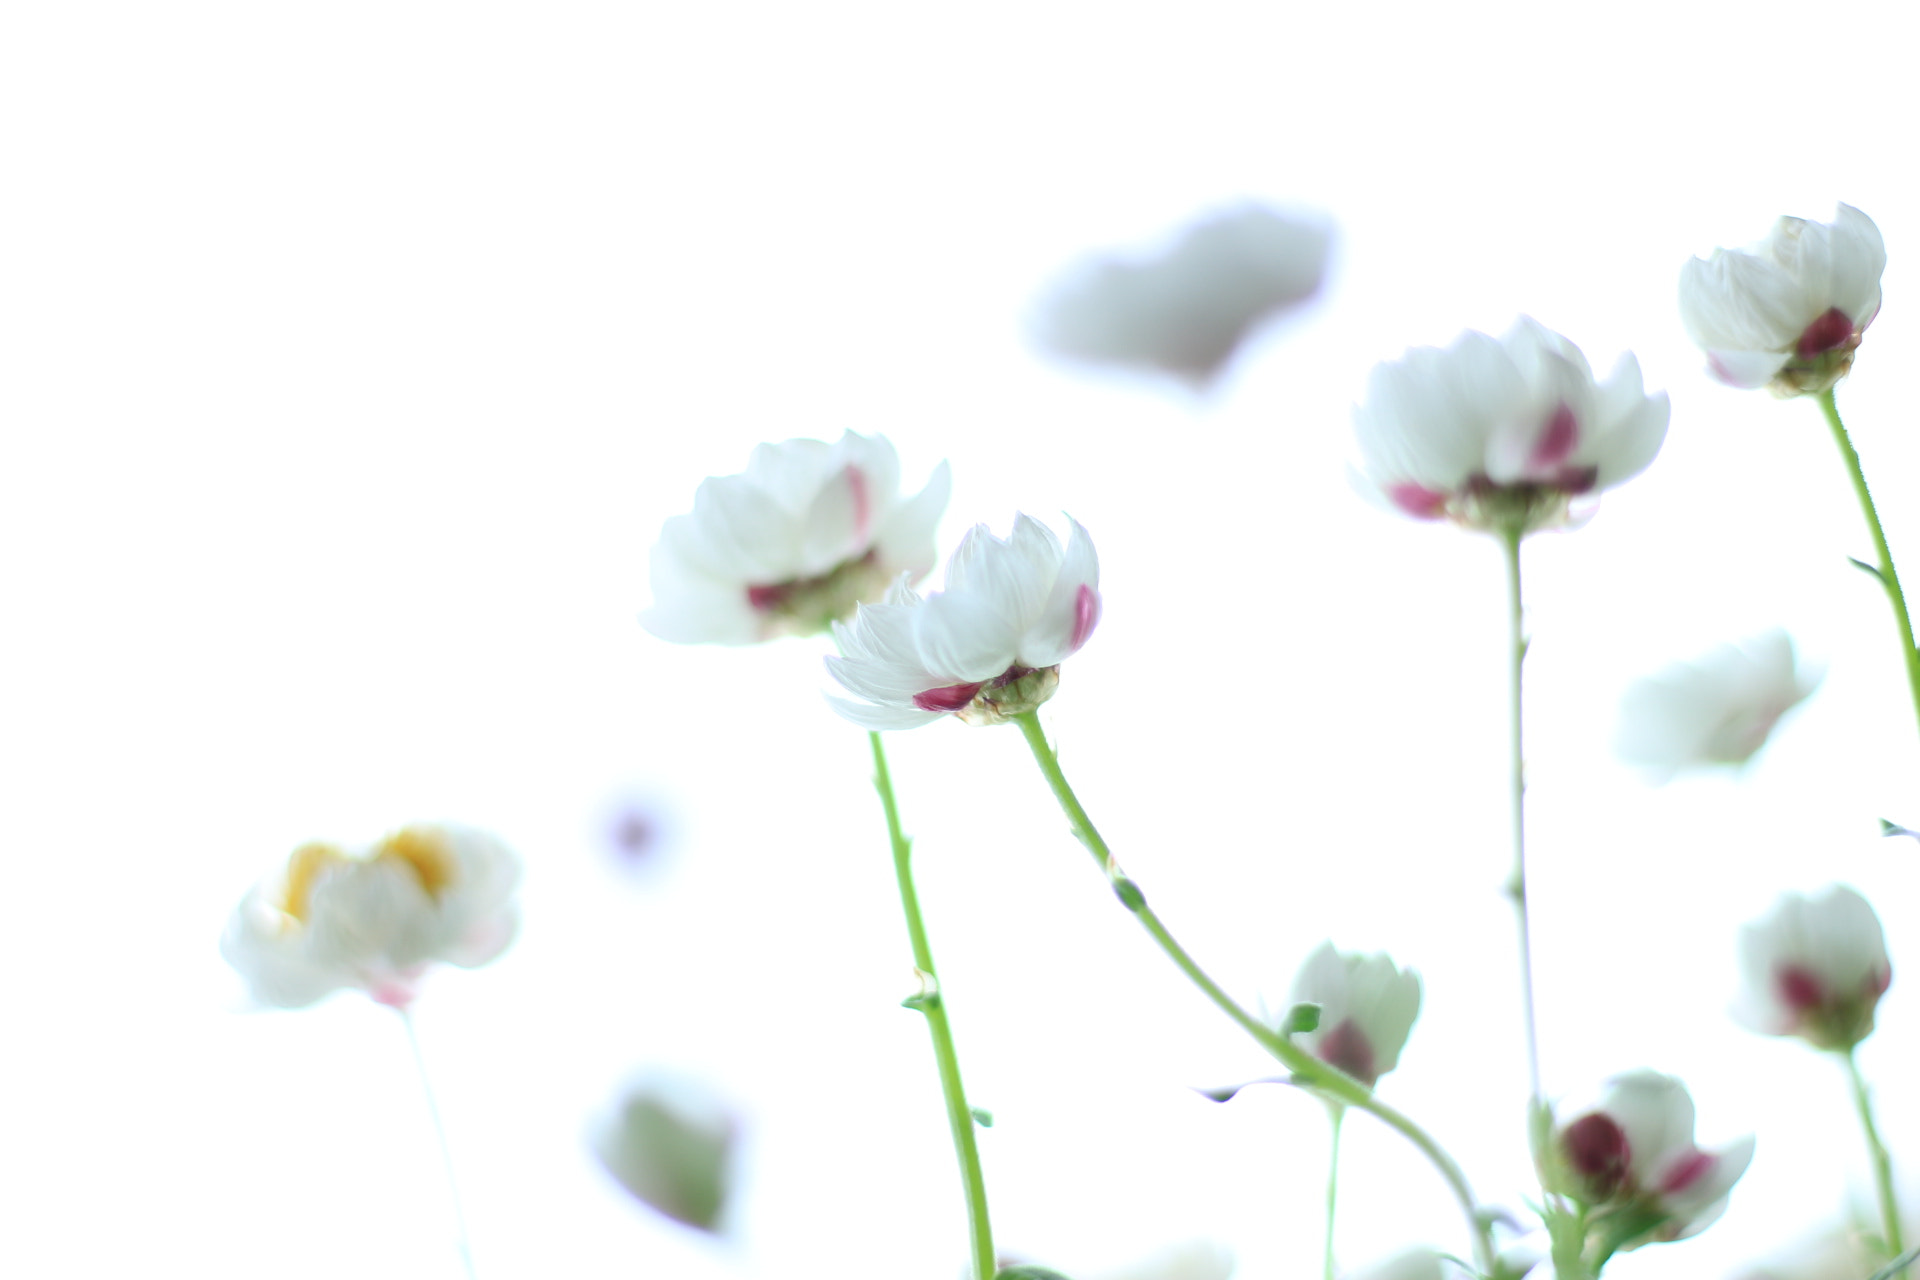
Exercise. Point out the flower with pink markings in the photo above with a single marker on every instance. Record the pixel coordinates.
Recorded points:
(1496, 433)
(1816, 968)
(988, 647)
(1367, 1009)
(1789, 312)
(791, 544)
(1631, 1160)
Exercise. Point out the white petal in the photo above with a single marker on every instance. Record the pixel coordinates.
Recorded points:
(1056, 625)
(1859, 260)
(962, 638)
(879, 718)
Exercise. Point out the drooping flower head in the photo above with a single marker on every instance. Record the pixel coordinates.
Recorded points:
(1185, 308)
(670, 1143)
(792, 543)
(1717, 710)
(1789, 312)
(1816, 968)
(985, 648)
(1630, 1158)
(377, 920)
(1367, 1008)
(1492, 432)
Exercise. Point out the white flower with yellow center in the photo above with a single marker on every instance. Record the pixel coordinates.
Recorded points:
(1719, 709)
(792, 543)
(376, 921)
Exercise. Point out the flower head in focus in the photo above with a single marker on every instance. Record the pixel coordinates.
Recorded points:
(1789, 312)
(1717, 710)
(1185, 309)
(1631, 1160)
(671, 1144)
(1367, 1008)
(376, 921)
(986, 648)
(1815, 967)
(792, 543)
(1495, 433)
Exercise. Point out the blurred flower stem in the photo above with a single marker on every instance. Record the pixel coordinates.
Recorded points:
(440, 1136)
(1885, 571)
(1510, 534)
(932, 1003)
(1882, 1163)
(1338, 1112)
(1329, 1081)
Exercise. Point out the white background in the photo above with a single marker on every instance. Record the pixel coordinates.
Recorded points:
(353, 355)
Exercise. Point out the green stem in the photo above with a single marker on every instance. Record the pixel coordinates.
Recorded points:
(1328, 1080)
(1888, 578)
(1510, 535)
(1339, 1113)
(1882, 1163)
(440, 1135)
(933, 1004)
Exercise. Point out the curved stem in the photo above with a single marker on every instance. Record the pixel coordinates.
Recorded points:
(1328, 1080)
(440, 1134)
(1882, 1163)
(1510, 535)
(932, 1003)
(1885, 571)
(1339, 1113)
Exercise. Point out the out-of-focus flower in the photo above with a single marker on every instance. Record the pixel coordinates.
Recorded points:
(792, 543)
(1185, 308)
(986, 648)
(671, 1144)
(378, 920)
(1718, 709)
(1195, 1260)
(1789, 312)
(1367, 1007)
(1497, 432)
(1632, 1161)
(1814, 968)
(1839, 1254)
(1414, 1264)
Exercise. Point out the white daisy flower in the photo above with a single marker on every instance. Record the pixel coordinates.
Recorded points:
(1717, 710)
(1815, 967)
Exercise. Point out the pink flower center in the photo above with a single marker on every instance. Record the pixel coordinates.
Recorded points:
(1798, 989)
(1597, 1149)
(1086, 616)
(1831, 330)
(1347, 1047)
(950, 698)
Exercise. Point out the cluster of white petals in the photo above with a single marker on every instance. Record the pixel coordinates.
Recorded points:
(377, 920)
(1717, 710)
(1631, 1159)
(1367, 1009)
(1492, 433)
(670, 1143)
(792, 543)
(1184, 309)
(1814, 967)
(1790, 311)
(987, 647)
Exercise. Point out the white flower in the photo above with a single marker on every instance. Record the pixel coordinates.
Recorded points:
(670, 1143)
(1492, 432)
(792, 543)
(1185, 308)
(1196, 1260)
(1631, 1159)
(1367, 1008)
(1815, 968)
(986, 648)
(1718, 709)
(378, 921)
(1791, 310)
(1414, 1264)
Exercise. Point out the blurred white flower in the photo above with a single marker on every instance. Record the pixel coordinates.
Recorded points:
(377, 921)
(792, 543)
(1839, 1254)
(986, 648)
(1367, 1008)
(1490, 432)
(1791, 310)
(1184, 309)
(671, 1144)
(1718, 709)
(1195, 1260)
(1631, 1160)
(1414, 1264)
(1815, 967)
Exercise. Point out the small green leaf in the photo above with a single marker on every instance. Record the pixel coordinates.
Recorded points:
(922, 1002)
(1864, 567)
(982, 1117)
(1129, 894)
(1302, 1018)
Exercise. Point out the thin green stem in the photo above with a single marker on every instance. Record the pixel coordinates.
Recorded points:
(1885, 571)
(1882, 1163)
(1329, 1081)
(1510, 535)
(440, 1134)
(932, 1003)
(1339, 1113)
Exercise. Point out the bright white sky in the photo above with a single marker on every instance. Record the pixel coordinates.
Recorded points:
(354, 354)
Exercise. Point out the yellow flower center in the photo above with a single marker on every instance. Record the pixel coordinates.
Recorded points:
(425, 852)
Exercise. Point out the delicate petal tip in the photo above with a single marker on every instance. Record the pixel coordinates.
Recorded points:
(1086, 616)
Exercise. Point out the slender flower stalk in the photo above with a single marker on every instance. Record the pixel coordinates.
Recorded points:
(440, 1134)
(1338, 1112)
(1882, 1163)
(1884, 570)
(1329, 1081)
(1510, 535)
(932, 1003)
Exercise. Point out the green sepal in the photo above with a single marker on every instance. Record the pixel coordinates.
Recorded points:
(1302, 1018)
(982, 1117)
